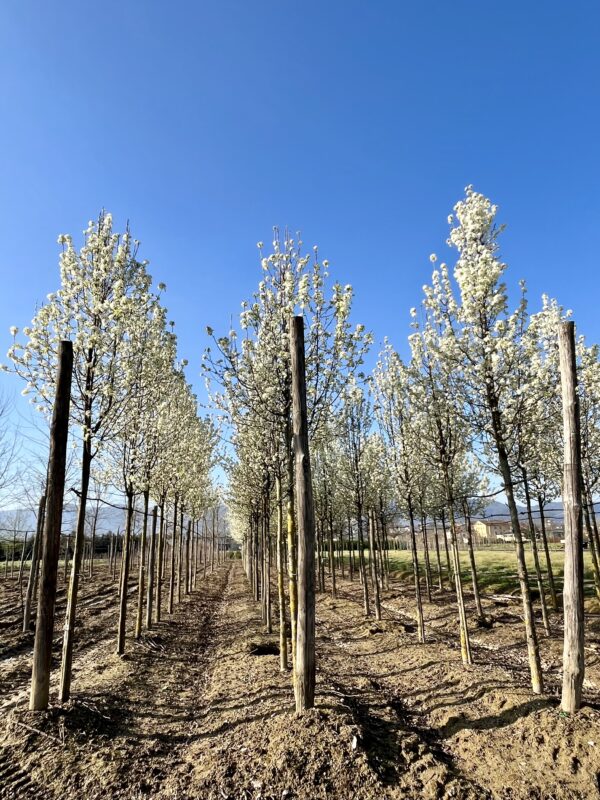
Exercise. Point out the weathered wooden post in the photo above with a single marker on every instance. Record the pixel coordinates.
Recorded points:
(304, 667)
(573, 653)
(44, 629)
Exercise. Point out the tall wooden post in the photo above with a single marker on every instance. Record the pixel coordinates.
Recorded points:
(573, 653)
(44, 629)
(304, 668)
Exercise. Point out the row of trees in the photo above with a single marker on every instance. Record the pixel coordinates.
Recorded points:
(475, 407)
(133, 417)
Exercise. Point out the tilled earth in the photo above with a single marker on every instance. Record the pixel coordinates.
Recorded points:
(199, 709)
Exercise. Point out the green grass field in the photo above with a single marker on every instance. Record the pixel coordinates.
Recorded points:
(496, 570)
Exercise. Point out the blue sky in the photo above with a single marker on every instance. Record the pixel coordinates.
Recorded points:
(359, 123)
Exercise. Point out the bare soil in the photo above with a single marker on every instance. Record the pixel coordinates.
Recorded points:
(199, 709)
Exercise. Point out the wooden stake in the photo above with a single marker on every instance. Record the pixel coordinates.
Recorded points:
(573, 653)
(304, 683)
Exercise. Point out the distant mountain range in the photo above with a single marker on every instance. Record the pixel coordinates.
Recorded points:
(496, 510)
(23, 519)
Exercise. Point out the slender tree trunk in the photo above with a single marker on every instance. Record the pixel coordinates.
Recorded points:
(14, 553)
(426, 556)
(437, 554)
(151, 567)
(536, 558)
(361, 557)
(188, 583)
(283, 657)
(22, 564)
(533, 652)
(69, 631)
(465, 643)
(44, 628)
(373, 564)
(172, 575)
(180, 556)
(67, 551)
(126, 557)
(160, 565)
(93, 545)
(447, 549)
(331, 559)
(142, 569)
(35, 557)
(350, 550)
(291, 538)
(267, 580)
(573, 651)
(415, 564)
(595, 554)
(474, 579)
(553, 597)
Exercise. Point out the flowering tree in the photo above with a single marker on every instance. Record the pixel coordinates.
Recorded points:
(487, 337)
(101, 287)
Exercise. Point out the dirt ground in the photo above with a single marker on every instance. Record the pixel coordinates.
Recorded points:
(197, 710)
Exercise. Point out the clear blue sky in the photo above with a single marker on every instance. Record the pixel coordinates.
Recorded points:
(206, 123)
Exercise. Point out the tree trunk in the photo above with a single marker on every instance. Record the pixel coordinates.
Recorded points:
(465, 643)
(44, 628)
(283, 657)
(93, 545)
(594, 551)
(180, 555)
(573, 651)
(160, 564)
(415, 565)
(533, 653)
(373, 564)
(437, 554)
(536, 558)
(361, 557)
(35, 558)
(172, 573)
(472, 563)
(447, 549)
(126, 556)
(142, 569)
(188, 539)
(71, 612)
(291, 541)
(553, 597)
(426, 556)
(151, 567)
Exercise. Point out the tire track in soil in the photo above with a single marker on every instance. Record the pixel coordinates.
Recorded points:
(409, 758)
(127, 726)
(154, 708)
(15, 784)
(93, 633)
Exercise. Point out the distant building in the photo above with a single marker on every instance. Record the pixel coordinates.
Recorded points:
(490, 530)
